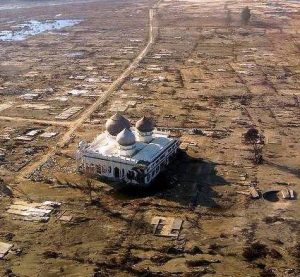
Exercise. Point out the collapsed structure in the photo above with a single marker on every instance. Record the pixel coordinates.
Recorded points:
(134, 155)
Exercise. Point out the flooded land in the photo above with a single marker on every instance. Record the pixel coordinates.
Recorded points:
(34, 27)
(226, 205)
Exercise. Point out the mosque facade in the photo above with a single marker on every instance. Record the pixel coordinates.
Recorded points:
(133, 155)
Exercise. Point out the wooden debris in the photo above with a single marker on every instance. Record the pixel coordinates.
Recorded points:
(254, 193)
(39, 212)
(292, 194)
(52, 204)
(65, 216)
(4, 248)
(68, 113)
(243, 192)
(166, 226)
(285, 194)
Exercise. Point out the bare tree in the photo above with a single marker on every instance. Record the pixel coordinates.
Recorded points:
(245, 15)
(256, 140)
(252, 135)
(257, 151)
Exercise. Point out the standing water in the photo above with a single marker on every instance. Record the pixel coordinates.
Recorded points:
(34, 27)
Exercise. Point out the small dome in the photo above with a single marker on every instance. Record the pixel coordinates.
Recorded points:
(145, 125)
(126, 138)
(116, 124)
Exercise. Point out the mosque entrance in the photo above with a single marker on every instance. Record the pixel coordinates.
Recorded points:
(117, 172)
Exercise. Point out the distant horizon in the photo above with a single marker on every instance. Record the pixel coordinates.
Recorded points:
(23, 4)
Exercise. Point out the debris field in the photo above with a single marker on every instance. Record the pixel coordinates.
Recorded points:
(201, 74)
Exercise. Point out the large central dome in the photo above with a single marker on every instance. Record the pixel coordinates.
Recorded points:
(116, 124)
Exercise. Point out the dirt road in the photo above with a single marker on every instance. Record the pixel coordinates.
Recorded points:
(73, 126)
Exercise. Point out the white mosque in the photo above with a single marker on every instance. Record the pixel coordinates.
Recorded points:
(133, 155)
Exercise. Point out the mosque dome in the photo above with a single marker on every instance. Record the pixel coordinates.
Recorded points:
(145, 125)
(126, 138)
(116, 124)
